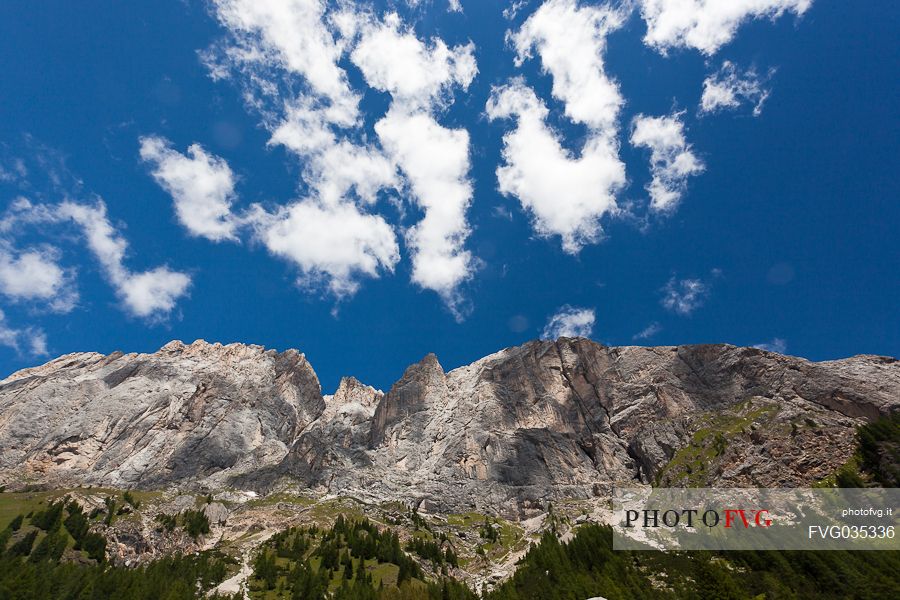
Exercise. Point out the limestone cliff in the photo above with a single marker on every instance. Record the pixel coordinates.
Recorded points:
(187, 413)
(546, 420)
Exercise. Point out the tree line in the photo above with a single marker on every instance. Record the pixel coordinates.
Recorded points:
(52, 554)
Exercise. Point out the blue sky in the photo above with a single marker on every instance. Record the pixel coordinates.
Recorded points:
(369, 182)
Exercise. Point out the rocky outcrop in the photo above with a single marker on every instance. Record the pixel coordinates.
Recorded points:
(331, 451)
(572, 418)
(546, 420)
(198, 413)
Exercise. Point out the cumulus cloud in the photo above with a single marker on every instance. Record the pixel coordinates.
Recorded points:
(433, 159)
(35, 275)
(707, 25)
(150, 294)
(684, 296)
(416, 75)
(571, 40)
(288, 57)
(333, 244)
(566, 195)
(9, 337)
(647, 332)
(335, 169)
(327, 236)
(292, 35)
(202, 186)
(729, 88)
(671, 158)
(776, 345)
(569, 321)
(30, 339)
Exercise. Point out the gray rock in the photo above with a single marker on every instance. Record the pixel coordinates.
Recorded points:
(216, 512)
(572, 418)
(188, 413)
(508, 433)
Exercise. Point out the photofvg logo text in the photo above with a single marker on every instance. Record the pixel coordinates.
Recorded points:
(649, 518)
(694, 517)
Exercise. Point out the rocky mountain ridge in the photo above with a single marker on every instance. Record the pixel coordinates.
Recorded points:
(546, 420)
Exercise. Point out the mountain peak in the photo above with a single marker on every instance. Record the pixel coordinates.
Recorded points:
(548, 419)
(351, 390)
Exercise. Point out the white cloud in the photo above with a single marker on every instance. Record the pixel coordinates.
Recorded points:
(333, 168)
(151, 294)
(776, 345)
(34, 340)
(569, 321)
(343, 171)
(707, 25)
(684, 296)
(292, 35)
(394, 60)
(202, 186)
(671, 158)
(434, 159)
(570, 41)
(14, 171)
(37, 342)
(452, 5)
(325, 234)
(436, 162)
(729, 88)
(565, 195)
(35, 275)
(512, 11)
(648, 332)
(334, 244)
(8, 337)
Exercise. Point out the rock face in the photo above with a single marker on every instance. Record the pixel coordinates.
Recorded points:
(199, 413)
(332, 450)
(546, 420)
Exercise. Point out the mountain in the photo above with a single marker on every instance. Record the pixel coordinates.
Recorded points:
(542, 421)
